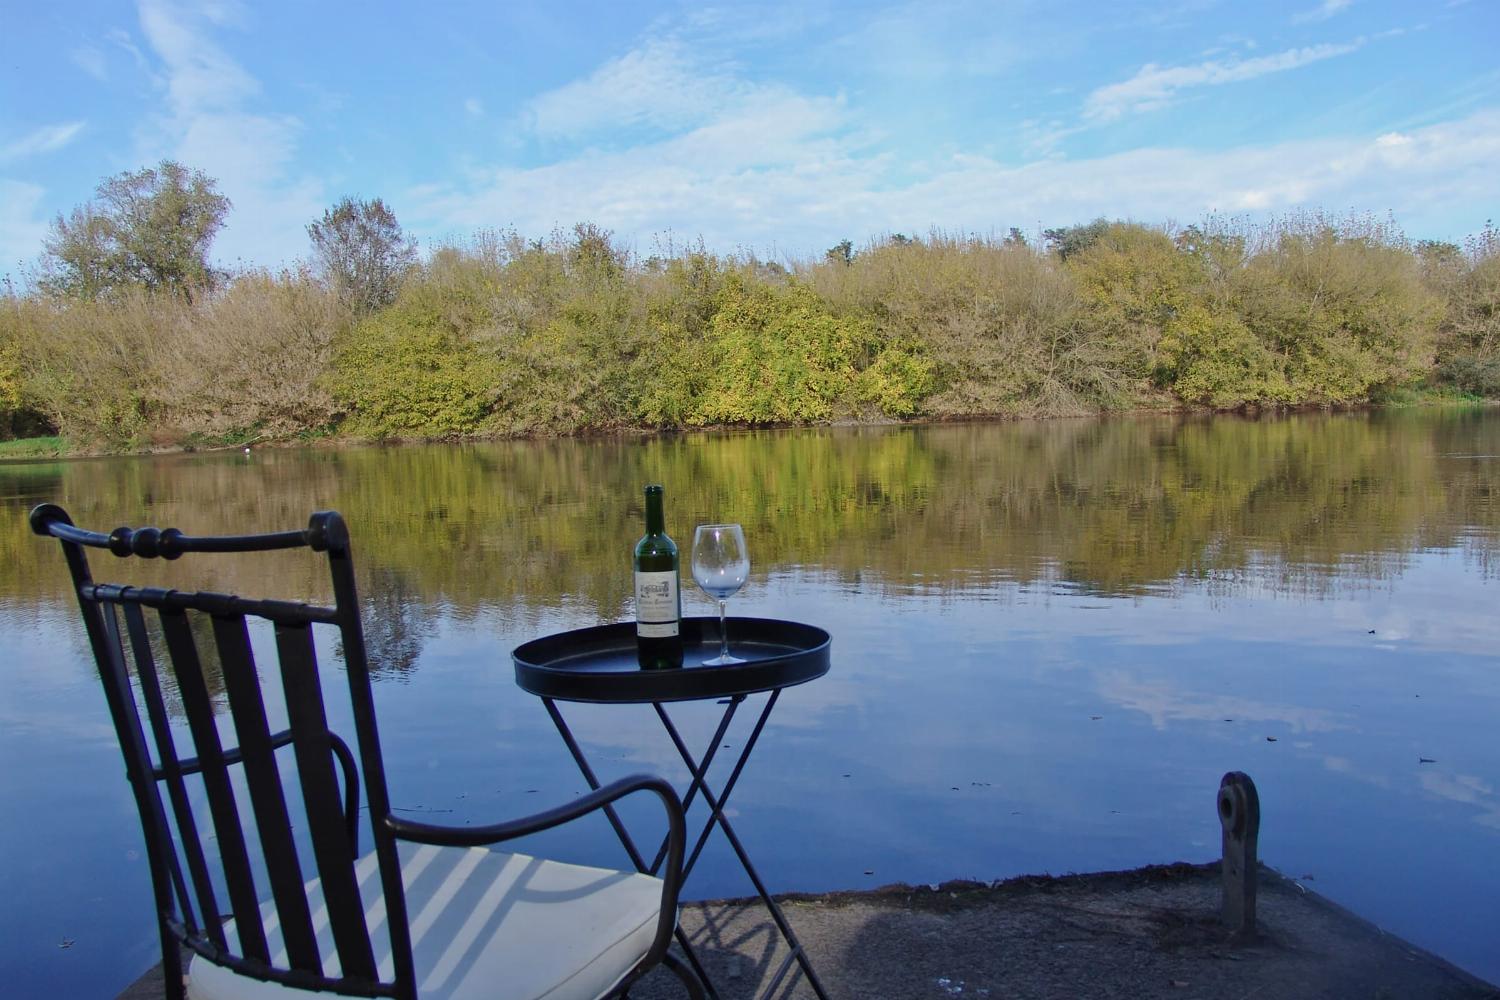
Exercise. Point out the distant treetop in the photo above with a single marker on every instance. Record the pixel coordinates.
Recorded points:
(149, 228)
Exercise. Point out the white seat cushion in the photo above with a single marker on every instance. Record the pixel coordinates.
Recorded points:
(483, 924)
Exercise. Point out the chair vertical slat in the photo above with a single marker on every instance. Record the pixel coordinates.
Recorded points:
(332, 849)
(367, 731)
(166, 752)
(226, 815)
(263, 778)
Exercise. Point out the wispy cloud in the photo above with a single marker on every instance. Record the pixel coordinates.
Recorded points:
(661, 84)
(21, 227)
(1322, 11)
(800, 175)
(47, 139)
(924, 41)
(1466, 789)
(211, 123)
(1156, 86)
(200, 74)
(91, 61)
(1163, 702)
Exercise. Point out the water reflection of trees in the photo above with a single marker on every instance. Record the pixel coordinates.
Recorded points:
(1113, 507)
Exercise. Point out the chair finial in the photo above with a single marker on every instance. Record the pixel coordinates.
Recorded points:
(326, 532)
(44, 514)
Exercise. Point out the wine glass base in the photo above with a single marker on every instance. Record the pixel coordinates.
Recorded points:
(723, 661)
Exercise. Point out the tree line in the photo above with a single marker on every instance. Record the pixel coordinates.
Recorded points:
(128, 338)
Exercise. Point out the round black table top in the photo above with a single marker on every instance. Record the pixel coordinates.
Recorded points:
(599, 664)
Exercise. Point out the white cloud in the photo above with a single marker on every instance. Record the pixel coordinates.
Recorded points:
(1155, 86)
(47, 139)
(1322, 12)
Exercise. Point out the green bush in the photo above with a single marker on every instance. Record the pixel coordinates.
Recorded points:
(1215, 360)
(413, 371)
(1476, 375)
(1344, 310)
(673, 370)
(1135, 284)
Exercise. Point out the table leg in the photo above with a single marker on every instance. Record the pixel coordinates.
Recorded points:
(716, 805)
(699, 773)
(625, 838)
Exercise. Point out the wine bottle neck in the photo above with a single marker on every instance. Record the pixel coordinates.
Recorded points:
(655, 523)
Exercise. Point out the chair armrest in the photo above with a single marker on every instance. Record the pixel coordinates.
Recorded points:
(477, 836)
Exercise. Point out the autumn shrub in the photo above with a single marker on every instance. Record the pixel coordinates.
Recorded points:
(88, 366)
(505, 335)
(1467, 279)
(414, 369)
(1342, 307)
(565, 334)
(251, 362)
(20, 413)
(966, 326)
(679, 296)
(1135, 285)
(779, 355)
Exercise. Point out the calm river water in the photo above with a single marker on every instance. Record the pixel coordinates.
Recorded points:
(1050, 641)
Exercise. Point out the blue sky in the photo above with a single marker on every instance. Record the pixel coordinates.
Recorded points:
(774, 128)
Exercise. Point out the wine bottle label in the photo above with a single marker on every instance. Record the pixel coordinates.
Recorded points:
(656, 605)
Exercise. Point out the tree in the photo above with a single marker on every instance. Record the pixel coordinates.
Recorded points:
(362, 253)
(149, 228)
(1070, 240)
(841, 253)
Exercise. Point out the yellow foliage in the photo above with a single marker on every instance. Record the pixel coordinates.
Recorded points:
(411, 372)
(779, 356)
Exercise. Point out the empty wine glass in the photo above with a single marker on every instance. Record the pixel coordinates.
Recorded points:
(721, 564)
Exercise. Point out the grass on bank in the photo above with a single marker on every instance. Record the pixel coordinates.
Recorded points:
(34, 447)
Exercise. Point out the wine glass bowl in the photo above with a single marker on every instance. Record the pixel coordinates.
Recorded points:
(721, 564)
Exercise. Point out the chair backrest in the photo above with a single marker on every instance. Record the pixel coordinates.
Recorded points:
(193, 628)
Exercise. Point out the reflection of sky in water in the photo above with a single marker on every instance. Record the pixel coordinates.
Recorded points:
(979, 721)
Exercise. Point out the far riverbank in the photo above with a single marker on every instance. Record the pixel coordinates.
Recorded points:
(55, 447)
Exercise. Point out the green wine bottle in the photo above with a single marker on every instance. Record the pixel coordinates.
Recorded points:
(658, 598)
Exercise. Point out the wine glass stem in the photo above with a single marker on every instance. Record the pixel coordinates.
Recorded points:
(723, 630)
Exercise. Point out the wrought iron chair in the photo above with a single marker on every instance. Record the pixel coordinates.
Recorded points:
(430, 911)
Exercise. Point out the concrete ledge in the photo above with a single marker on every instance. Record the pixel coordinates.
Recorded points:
(1148, 933)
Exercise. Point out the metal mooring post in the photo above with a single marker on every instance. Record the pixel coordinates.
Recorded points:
(1239, 813)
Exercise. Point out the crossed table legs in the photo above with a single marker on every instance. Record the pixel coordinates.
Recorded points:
(716, 805)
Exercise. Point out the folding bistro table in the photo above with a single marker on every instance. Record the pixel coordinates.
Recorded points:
(598, 665)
